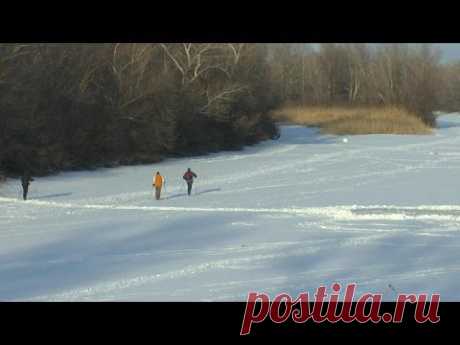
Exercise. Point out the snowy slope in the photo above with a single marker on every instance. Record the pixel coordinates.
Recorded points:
(282, 216)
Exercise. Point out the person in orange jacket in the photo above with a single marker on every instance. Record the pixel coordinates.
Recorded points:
(158, 182)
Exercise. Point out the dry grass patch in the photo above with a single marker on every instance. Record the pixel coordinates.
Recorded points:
(355, 120)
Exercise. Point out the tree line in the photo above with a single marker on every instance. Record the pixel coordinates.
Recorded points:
(72, 106)
(67, 106)
(408, 75)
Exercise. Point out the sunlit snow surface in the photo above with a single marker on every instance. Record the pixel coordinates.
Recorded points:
(283, 216)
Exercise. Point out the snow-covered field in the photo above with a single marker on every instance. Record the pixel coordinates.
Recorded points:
(284, 216)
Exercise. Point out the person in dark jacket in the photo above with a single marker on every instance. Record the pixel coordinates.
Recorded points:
(25, 181)
(188, 177)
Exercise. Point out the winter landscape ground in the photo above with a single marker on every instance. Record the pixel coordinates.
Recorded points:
(282, 216)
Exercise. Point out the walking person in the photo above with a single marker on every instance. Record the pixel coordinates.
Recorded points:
(158, 182)
(188, 177)
(25, 181)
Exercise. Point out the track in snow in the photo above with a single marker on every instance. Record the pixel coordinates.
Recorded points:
(356, 212)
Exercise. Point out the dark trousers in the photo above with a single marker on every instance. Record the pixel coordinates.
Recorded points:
(157, 193)
(189, 187)
(25, 190)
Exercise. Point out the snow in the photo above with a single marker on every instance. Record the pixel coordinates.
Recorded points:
(282, 216)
